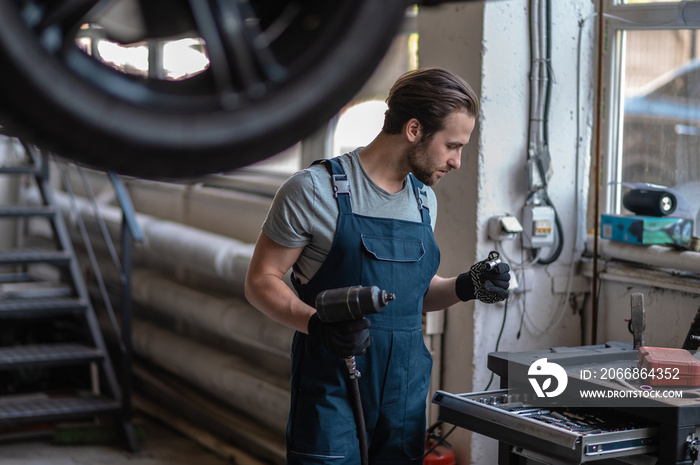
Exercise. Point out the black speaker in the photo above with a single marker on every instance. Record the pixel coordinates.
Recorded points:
(650, 202)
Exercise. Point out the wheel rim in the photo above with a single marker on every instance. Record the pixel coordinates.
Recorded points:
(277, 55)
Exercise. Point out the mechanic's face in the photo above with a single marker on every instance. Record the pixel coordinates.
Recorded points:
(430, 159)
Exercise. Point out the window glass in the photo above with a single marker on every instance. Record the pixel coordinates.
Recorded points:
(358, 126)
(661, 109)
(131, 59)
(184, 58)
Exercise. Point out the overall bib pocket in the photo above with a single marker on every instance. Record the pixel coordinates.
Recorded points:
(392, 264)
(393, 249)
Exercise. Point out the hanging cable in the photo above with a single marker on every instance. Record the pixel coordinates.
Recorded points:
(549, 72)
(545, 134)
(559, 236)
(541, 77)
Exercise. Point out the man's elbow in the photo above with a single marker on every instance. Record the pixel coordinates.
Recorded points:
(250, 288)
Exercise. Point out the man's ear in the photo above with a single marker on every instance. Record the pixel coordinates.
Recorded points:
(413, 130)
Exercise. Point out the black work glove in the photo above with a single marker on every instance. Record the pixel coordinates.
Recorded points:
(489, 286)
(344, 338)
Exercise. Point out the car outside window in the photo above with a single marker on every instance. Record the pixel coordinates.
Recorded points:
(653, 125)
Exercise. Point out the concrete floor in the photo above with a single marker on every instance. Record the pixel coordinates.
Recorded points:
(161, 446)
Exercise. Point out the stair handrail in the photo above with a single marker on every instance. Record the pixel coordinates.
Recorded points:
(130, 232)
(127, 207)
(91, 255)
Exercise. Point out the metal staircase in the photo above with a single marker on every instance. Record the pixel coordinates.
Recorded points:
(54, 363)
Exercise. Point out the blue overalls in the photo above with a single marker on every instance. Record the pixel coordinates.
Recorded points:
(400, 257)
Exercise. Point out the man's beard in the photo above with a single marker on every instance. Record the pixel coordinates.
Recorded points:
(421, 167)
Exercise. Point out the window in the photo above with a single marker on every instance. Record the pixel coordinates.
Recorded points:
(176, 59)
(660, 111)
(358, 125)
(651, 128)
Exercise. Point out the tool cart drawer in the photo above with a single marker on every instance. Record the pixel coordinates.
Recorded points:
(575, 435)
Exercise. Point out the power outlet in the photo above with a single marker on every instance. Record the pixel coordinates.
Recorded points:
(503, 227)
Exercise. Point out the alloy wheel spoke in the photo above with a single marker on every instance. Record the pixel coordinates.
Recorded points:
(56, 22)
(218, 58)
(242, 56)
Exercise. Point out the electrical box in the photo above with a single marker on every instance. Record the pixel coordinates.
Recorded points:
(538, 226)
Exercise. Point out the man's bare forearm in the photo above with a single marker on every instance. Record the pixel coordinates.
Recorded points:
(275, 299)
(440, 295)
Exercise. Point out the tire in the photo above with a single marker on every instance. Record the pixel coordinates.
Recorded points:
(65, 101)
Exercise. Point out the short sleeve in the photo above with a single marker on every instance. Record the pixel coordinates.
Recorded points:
(288, 221)
(433, 207)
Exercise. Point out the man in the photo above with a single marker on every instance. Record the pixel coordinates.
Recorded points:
(367, 218)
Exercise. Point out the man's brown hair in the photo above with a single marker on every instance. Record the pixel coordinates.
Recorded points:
(429, 95)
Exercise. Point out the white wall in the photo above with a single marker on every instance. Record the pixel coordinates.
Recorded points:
(488, 44)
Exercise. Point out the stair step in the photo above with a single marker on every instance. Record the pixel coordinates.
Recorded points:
(37, 289)
(39, 408)
(16, 256)
(47, 355)
(15, 277)
(24, 297)
(14, 211)
(30, 308)
(20, 169)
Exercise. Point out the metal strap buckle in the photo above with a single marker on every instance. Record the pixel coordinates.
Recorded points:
(419, 197)
(340, 184)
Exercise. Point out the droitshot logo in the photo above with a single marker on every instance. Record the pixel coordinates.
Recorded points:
(542, 374)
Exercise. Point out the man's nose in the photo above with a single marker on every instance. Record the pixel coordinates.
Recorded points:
(455, 162)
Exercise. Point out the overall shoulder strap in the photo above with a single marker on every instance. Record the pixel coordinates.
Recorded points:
(421, 198)
(341, 185)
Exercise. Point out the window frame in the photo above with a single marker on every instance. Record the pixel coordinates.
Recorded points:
(618, 18)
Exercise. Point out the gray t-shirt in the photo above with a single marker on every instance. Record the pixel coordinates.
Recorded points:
(304, 212)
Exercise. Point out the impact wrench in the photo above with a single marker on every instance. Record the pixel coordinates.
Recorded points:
(353, 303)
